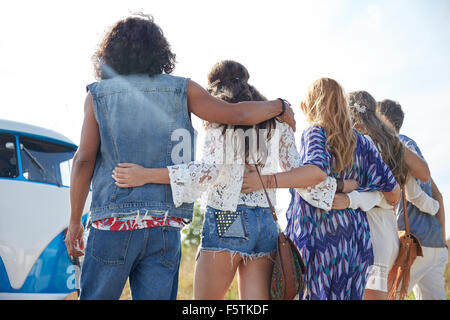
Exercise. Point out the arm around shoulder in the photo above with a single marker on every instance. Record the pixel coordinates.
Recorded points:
(393, 196)
(419, 168)
(211, 109)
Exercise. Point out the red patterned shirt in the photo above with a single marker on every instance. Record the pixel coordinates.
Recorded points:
(135, 223)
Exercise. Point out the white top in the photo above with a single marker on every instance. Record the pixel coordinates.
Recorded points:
(322, 195)
(414, 194)
(219, 176)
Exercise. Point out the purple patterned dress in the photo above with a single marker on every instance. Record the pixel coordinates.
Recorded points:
(335, 245)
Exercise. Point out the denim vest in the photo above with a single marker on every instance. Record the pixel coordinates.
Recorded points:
(424, 226)
(141, 120)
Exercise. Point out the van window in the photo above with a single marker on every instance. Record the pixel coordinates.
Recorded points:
(45, 161)
(8, 156)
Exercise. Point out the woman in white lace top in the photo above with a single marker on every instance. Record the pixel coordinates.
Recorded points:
(239, 232)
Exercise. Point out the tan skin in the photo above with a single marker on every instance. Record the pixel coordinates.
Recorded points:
(214, 271)
(417, 167)
(440, 215)
(294, 179)
(301, 177)
(200, 102)
(341, 201)
(208, 108)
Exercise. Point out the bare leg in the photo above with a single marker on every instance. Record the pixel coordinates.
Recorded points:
(375, 295)
(254, 279)
(214, 272)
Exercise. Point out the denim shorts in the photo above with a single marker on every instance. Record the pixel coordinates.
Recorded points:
(249, 231)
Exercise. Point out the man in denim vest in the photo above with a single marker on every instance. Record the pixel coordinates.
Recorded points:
(138, 113)
(427, 272)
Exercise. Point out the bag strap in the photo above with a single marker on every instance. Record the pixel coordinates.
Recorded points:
(267, 196)
(405, 211)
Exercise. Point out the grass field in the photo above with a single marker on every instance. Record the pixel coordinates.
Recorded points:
(185, 289)
(186, 279)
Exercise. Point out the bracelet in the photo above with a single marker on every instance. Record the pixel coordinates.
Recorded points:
(270, 181)
(276, 182)
(340, 185)
(283, 104)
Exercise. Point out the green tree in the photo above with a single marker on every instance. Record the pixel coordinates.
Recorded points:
(191, 233)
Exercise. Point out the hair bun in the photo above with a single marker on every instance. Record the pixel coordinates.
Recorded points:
(227, 71)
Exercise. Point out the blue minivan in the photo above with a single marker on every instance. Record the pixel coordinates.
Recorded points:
(35, 168)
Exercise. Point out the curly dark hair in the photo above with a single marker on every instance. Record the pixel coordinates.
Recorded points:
(135, 45)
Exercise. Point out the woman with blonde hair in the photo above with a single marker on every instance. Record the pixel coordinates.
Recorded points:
(334, 244)
(239, 233)
(405, 166)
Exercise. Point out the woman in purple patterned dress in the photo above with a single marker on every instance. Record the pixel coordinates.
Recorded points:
(335, 244)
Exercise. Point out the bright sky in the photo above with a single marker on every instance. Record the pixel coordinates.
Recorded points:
(393, 49)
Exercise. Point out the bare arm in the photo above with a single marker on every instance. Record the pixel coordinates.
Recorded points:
(366, 201)
(440, 215)
(187, 181)
(393, 197)
(301, 177)
(417, 166)
(80, 179)
(211, 109)
(129, 175)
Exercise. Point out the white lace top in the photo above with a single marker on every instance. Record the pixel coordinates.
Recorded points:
(219, 178)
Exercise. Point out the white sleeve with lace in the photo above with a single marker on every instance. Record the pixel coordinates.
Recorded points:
(289, 158)
(321, 195)
(367, 200)
(419, 198)
(189, 181)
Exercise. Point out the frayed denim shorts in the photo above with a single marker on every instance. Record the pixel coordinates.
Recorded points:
(249, 231)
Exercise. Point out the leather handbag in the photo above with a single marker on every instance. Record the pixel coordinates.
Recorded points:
(410, 248)
(288, 270)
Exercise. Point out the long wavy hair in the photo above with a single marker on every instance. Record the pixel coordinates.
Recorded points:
(228, 81)
(325, 106)
(363, 109)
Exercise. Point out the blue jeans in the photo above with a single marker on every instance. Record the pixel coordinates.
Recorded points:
(149, 257)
